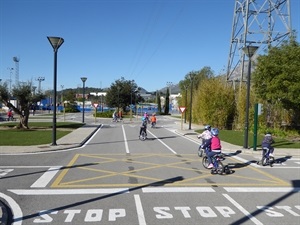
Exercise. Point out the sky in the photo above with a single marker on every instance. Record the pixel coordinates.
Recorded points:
(153, 42)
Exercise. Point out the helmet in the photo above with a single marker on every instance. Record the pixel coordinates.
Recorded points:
(207, 127)
(215, 131)
(268, 134)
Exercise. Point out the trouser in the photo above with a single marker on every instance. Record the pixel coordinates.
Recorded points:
(210, 154)
(145, 130)
(271, 149)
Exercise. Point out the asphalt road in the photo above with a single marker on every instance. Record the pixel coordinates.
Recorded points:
(117, 179)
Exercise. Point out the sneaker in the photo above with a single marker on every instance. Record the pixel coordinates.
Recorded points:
(271, 155)
(210, 166)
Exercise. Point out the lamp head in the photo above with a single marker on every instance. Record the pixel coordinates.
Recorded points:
(250, 50)
(83, 79)
(55, 42)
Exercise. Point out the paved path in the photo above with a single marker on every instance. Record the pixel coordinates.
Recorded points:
(78, 137)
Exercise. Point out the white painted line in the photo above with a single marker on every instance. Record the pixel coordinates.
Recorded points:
(91, 137)
(177, 189)
(46, 177)
(163, 143)
(277, 167)
(243, 210)
(139, 209)
(15, 208)
(68, 191)
(26, 167)
(125, 140)
(261, 189)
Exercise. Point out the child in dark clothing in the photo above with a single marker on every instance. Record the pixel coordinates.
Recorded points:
(267, 143)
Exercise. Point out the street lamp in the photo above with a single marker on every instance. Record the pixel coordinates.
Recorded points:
(249, 51)
(186, 86)
(83, 95)
(191, 76)
(131, 99)
(55, 42)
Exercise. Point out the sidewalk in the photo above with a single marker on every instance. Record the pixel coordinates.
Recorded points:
(227, 147)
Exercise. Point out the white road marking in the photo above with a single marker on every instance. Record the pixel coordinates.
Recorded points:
(16, 210)
(125, 140)
(163, 143)
(177, 189)
(69, 191)
(243, 210)
(261, 189)
(139, 209)
(46, 177)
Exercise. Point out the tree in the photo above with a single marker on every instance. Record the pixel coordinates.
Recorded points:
(158, 102)
(277, 74)
(167, 102)
(122, 93)
(215, 106)
(23, 93)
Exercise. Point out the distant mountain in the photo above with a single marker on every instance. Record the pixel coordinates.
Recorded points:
(174, 89)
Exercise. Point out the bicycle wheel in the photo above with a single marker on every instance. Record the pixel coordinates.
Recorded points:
(220, 168)
(205, 162)
(143, 136)
(264, 161)
(271, 161)
(200, 151)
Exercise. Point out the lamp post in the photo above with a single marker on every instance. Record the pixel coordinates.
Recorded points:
(186, 89)
(55, 42)
(83, 79)
(249, 51)
(191, 76)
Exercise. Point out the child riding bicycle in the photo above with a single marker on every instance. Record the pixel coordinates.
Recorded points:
(215, 146)
(267, 143)
(144, 126)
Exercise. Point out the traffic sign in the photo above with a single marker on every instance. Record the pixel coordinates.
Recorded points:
(95, 105)
(182, 109)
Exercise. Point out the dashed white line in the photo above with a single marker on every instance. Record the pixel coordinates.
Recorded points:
(139, 209)
(243, 210)
(163, 143)
(177, 189)
(46, 178)
(68, 191)
(261, 189)
(125, 140)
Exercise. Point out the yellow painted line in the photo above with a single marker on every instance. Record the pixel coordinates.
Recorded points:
(267, 174)
(184, 160)
(64, 171)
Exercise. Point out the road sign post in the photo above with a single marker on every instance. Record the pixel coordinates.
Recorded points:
(95, 105)
(182, 110)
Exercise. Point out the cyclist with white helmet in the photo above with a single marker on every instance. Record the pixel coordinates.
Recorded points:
(267, 143)
(205, 135)
(215, 146)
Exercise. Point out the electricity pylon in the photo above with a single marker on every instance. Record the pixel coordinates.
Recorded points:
(261, 23)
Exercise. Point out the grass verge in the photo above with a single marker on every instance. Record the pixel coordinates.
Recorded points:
(39, 133)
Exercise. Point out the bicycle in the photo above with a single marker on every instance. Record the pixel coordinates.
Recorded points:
(143, 135)
(216, 161)
(266, 158)
(202, 151)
